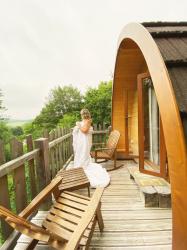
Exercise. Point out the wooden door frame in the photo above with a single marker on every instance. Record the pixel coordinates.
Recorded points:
(126, 122)
(162, 147)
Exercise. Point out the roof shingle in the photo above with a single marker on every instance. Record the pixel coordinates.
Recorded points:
(171, 39)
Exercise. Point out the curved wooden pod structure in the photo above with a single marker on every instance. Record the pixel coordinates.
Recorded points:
(140, 51)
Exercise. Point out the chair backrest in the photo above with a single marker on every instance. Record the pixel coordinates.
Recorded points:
(113, 141)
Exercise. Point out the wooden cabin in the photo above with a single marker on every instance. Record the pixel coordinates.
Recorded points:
(149, 107)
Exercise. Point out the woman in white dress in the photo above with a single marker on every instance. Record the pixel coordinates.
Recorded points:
(82, 142)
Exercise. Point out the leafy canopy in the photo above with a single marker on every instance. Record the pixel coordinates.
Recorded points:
(61, 101)
(2, 108)
(98, 101)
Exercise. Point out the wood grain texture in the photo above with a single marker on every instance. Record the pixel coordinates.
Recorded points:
(137, 53)
(4, 194)
(19, 176)
(128, 224)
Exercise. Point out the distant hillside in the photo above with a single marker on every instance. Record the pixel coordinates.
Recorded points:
(15, 123)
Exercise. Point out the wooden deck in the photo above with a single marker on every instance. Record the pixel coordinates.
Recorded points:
(128, 224)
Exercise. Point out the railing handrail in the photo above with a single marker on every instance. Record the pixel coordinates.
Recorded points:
(7, 167)
(59, 140)
(100, 131)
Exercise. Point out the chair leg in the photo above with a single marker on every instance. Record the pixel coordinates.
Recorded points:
(32, 244)
(90, 236)
(115, 159)
(100, 218)
(89, 191)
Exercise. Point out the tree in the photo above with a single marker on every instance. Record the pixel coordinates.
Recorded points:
(5, 133)
(17, 131)
(31, 128)
(98, 101)
(61, 101)
(69, 120)
(2, 108)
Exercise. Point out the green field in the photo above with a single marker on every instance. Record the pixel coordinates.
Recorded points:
(15, 123)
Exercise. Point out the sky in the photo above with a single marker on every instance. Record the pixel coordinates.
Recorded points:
(46, 43)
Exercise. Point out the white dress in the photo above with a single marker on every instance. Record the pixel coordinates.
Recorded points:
(82, 143)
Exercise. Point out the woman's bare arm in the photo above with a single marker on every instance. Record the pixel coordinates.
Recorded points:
(86, 126)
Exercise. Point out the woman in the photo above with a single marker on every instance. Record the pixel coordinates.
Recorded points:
(82, 142)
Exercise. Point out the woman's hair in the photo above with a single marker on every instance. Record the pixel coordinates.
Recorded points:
(85, 114)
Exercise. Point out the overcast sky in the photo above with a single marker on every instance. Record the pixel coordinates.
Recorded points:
(45, 43)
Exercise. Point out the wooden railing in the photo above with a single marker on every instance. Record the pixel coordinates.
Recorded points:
(33, 164)
(30, 169)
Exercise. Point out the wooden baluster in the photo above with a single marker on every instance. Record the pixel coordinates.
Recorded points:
(95, 136)
(100, 135)
(52, 155)
(63, 147)
(19, 176)
(67, 145)
(31, 166)
(4, 194)
(56, 153)
(104, 134)
(42, 169)
(60, 149)
(71, 143)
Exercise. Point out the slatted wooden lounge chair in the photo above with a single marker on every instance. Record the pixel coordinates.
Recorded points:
(73, 179)
(109, 151)
(69, 223)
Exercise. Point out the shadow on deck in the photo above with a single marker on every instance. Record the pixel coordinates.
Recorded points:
(128, 224)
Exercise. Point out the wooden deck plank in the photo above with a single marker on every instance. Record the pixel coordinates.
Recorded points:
(131, 238)
(150, 247)
(128, 224)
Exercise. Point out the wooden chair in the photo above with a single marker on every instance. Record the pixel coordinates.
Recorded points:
(73, 179)
(109, 151)
(68, 225)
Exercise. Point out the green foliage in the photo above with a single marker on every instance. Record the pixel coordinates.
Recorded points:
(31, 128)
(2, 108)
(5, 132)
(69, 120)
(17, 131)
(61, 101)
(98, 101)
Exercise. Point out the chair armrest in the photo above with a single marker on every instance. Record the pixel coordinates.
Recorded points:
(86, 219)
(23, 226)
(103, 149)
(35, 203)
(28, 228)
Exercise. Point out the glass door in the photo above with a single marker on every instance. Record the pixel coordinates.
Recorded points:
(152, 151)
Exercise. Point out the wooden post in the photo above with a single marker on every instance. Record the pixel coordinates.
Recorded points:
(45, 133)
(4, 195)
(19, 176)
(126, 122)
(42, 168)
(52, 155)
